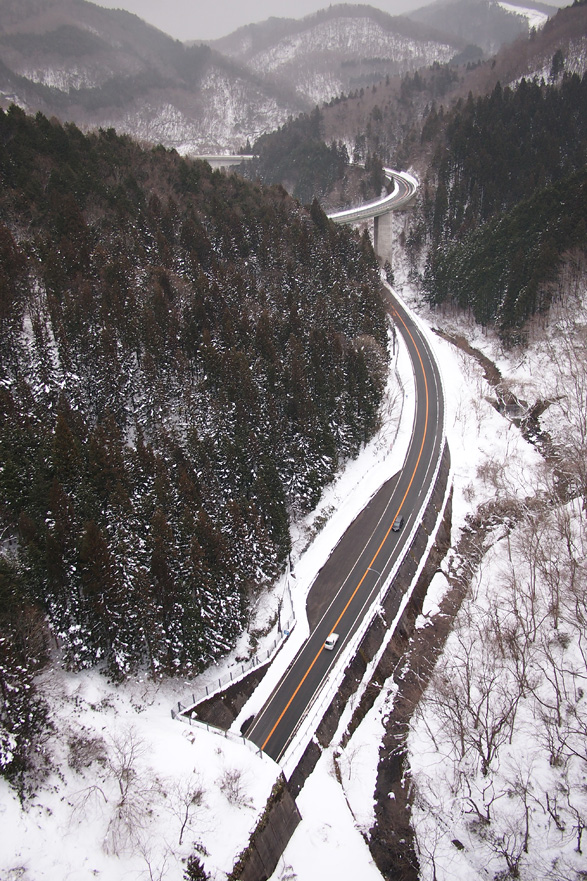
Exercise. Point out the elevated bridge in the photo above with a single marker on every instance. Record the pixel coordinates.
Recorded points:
(224, 160)
(379, 210)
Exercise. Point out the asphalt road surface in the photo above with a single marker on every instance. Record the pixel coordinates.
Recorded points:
(349, 582)
(402, 193)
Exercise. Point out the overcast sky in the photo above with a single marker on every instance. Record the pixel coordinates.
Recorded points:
(209, 19)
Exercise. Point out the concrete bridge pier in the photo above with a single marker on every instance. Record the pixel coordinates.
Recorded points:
(381, 210)
(382, 236)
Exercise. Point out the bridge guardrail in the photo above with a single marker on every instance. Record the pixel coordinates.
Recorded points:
(377, 207)
(311, 721)
(235, 675)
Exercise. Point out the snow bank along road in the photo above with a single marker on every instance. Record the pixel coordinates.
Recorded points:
(375, 549)
(403, 190)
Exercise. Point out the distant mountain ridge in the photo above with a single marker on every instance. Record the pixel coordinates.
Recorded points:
(382, 120)
(107, 68)
(104, 68)
(338, 49)
(262, 36)
(485, 23)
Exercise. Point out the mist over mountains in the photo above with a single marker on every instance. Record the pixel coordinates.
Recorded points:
(106, 68)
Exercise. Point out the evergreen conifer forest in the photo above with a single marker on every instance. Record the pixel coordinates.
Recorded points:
(508, 201)
(185, 359)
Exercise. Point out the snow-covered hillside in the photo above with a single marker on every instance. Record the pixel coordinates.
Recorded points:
(337, 801)
(130, 792)
(536, 18)
(101, 728)
(103, 68)
(574, 58)
(80, 800)
(352, 40)
(226, 112)
(324, 55)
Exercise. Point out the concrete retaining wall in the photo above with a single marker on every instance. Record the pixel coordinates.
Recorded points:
(281, 817)
(269, 840)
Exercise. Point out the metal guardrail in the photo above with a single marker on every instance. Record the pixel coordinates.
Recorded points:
(307, 725)
(377, 207)
(221, 732)
(310, 722)
(238, 673)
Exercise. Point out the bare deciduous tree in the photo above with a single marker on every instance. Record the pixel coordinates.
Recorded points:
(136, 792)
(156, 862)
(474, 696)
(232, 785)
(185, 796)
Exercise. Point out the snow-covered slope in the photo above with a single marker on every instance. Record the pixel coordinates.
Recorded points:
(536, 18)
(226, 111)
(487, 24)
(100, 68)
(337, 50)
(520, 810)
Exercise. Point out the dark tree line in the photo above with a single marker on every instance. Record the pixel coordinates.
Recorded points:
(185, 360)
(297, 157)
(509, 199)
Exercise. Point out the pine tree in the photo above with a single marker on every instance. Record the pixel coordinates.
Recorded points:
(102, 596)
(195, 870)
(66, 451)
(23, 712)
(178, 341)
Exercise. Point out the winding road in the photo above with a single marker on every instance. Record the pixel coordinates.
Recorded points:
(404, 188)
(364, 556)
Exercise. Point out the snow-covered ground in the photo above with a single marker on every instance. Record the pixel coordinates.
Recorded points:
(490, 460)
(480, 441)
(126, 776)
(124, 772)
(499, 786)
(126, 779)
(536, 19)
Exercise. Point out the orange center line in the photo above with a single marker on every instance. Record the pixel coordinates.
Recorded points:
(377, 552)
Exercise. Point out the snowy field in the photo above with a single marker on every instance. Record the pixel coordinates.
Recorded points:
(133, 792)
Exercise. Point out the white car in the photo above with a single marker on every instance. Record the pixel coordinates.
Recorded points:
(331, 641)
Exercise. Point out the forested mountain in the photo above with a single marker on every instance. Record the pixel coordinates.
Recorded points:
(296, 156)
(382, 124)
(339, 49)
(483, 23)
(503, 169)
(185, 358)
(105, 67)
(510, 189)
(387, 118)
